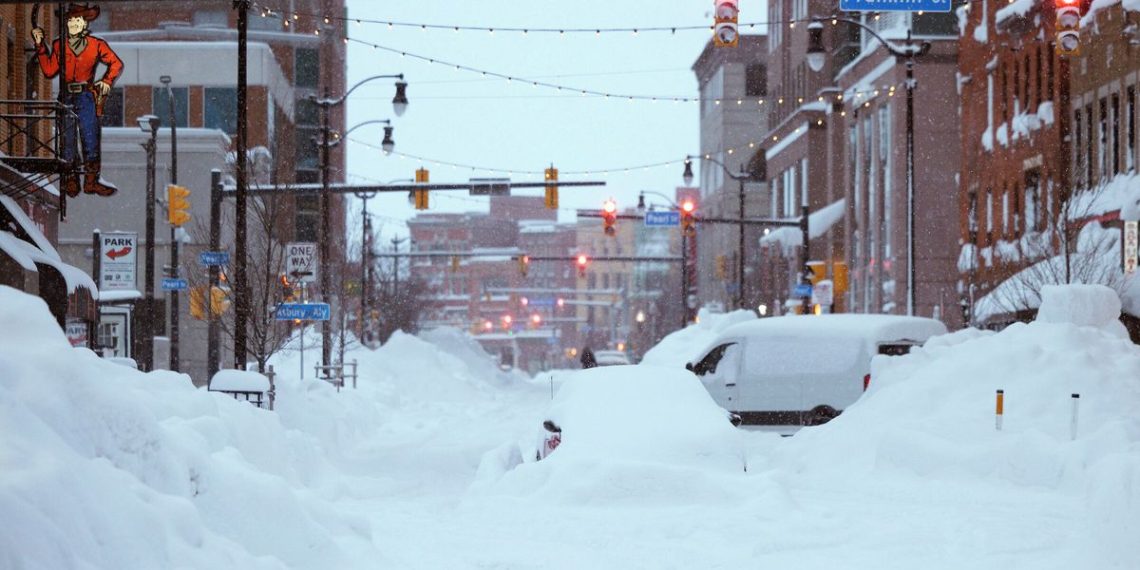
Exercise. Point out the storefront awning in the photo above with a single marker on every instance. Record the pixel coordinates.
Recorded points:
(27, 246)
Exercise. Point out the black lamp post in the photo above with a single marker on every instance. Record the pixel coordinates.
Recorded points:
(325, 103)
(174, 243)
(741, 177)
(149, 124)
(906, 52)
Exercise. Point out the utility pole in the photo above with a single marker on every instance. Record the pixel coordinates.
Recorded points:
(241, 311)
(149, 123)
(174, 242)
(214, 335)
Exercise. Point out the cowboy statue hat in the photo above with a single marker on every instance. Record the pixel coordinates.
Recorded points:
(84, 10)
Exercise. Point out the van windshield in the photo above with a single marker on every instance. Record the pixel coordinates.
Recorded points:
(783, 356)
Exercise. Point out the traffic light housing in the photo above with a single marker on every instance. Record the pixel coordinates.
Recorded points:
(725, 30)
(219, 300)
(1068, 27)
(524, 264)
(721, 267)
(609, 216)
(583, 261)
(839, 276)
(198, 303)
(455, 264)
(551, 199)
(421, 194)
(688, 224)
(177, 204)
(818, 271)
(286, 288)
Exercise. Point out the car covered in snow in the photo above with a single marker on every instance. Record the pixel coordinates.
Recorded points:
(611, 358)
(637, 413)
(802, 370)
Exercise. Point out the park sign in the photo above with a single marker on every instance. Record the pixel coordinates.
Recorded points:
(894, 5)
(301, 262)
(118, 261)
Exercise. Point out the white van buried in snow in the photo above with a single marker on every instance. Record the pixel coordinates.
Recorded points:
(802, 370)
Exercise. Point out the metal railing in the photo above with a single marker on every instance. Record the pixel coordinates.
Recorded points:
(336, 374)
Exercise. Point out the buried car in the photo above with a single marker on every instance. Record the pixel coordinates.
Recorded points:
(637, 413)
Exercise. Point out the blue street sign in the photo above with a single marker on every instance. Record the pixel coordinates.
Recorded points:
(662, 219)
(541, 302)
(214, 258)
(173, 284)
(894, 5)
(802, 290)
(303, 312)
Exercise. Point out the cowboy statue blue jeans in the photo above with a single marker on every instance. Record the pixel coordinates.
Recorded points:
(83, 104)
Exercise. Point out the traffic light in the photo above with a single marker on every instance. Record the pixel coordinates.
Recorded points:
(721, 267)
(839, 276)
(551, 199)
(535, 320)
(1068, 27)
(219, 300)
(609, 216)
(687, 222)
(421, 194)
(198, 303)
(818, 271)
(507, 321)
(177, 204)
(583, 261)
(524, 264)
(286, 288)
(455, 264)
(725, 32)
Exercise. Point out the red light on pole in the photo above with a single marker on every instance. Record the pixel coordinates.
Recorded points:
(487, 326)
(609, 216)
(583, 261)
(536, 319)
(561, 302)
(687, 209)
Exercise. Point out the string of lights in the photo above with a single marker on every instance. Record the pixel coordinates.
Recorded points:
(760, 101)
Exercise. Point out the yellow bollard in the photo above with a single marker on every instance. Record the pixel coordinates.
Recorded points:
(999, 409)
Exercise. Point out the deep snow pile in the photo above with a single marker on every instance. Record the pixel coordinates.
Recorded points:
(682, 346)
(930, 416)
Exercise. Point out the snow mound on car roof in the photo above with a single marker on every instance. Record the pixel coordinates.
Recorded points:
(628, 433)
(682, 346)
(930, 415)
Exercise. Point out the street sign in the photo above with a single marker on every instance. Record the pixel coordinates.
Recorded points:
(301, 262)
(1131, 242)
(490, 186)
(894, 5)
(802, 290)
(823, 293)
(302, 312)
(118, 261)
(541, 302)
(174, 284)
(209, 258)
(662, 219)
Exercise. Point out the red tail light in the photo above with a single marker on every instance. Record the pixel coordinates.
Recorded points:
(866, 381)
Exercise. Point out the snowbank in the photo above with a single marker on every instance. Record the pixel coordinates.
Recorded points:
(239, 381)
(929, 417)
(682, 346)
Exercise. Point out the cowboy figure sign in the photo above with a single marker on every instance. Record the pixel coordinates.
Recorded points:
(85, 94)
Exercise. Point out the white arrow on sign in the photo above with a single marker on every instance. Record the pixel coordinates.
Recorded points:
(301, 261)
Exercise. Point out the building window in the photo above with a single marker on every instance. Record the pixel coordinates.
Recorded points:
(1102, 139)
(1115, 122)
(113, 109)
(756, 80)
(221, 109)
(1089, 144)
(990, 212)
(1016, 95)
(307, 149)
(307, 67)
(1049, 67)
(1040, 76)
(306, 221)
(972, 215)
(160, 105)
(1130, 143)
(885, 169)
(1032, 200)
(1006, 228)
(306, 113)
(1078, 151)
(1004, 91)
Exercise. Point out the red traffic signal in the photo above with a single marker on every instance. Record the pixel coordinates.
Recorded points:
(687, 222)
(609, 216)
(1068, 27)
(725, 32)
(583, 261)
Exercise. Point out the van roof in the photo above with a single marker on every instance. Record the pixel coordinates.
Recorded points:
(874, 328)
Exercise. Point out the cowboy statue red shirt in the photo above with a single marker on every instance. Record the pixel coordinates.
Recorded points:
(85, 91)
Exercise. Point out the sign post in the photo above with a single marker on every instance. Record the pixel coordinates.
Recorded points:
(301, 262)
(1131, 242)
(118, 256)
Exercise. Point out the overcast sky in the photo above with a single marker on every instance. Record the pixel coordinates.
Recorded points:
(463, 117)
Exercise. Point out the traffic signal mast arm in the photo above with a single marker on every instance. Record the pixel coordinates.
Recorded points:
(316, 189)
(615, 258)
(773, 222)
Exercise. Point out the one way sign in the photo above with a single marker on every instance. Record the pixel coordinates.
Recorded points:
(301, 262)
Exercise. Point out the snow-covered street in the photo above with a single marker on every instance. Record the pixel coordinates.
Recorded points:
(105, 467)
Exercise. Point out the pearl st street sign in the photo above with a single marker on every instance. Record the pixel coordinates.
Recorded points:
(662, 219)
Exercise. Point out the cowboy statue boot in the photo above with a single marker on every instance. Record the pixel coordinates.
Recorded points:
(93, 184)
(71, 184)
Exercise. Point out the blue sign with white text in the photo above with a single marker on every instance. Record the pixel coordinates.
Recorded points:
(302, 312)
(214, 258)
(173, 284)
(894, 5)
(802, 290)
(662, 219)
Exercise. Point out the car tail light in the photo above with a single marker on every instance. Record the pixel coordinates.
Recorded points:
(866, 381)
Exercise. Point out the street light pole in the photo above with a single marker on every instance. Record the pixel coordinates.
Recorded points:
(326, 103)
(740, 178)
(174, 244)
(241, 290)
(907, 53)
(149, 124)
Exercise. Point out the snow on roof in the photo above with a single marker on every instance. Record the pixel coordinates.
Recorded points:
(1121, 192)
(120, 295)
(1094, 7)
(28, 255)
(874, 328)
(239, 381)
(1016, 8)
(819, 222)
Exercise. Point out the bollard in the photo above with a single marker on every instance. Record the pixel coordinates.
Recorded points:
(1076, 399)
(999, 409)
(272, 391)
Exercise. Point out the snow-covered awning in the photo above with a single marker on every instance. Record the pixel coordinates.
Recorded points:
(31, 247)
(819, 222)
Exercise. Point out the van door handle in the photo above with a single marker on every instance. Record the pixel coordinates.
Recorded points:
(730, 384)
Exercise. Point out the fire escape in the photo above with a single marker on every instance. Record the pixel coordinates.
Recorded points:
(31, 143)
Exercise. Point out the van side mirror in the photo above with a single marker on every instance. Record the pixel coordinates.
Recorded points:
(551, 427)
(689, 366)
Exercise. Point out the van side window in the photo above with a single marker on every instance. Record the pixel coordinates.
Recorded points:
(895, 349)
(707, 365)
